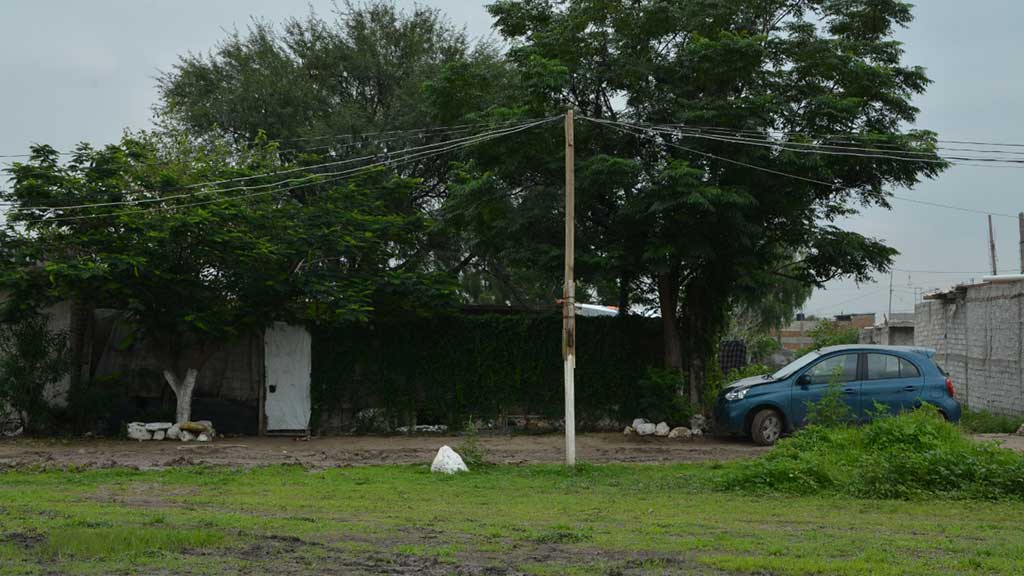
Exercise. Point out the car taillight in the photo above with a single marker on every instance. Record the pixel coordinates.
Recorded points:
(949, 388)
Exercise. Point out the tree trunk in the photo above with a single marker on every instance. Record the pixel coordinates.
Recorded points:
(668, 300)
(182, 388)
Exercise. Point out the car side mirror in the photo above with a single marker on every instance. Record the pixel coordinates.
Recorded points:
(803, 380)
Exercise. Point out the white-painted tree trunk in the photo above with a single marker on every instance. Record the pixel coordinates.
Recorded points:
(183, 388)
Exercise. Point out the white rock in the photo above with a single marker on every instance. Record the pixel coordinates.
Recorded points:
(661, 429)
(681, 432)
(448, 461)
(137, 431)
(629, 431)
(1020, 431)
(645, 429)
(696, 432)
(159, 435)
(174, 432)
(638, 422)
(203, 438)
(186, 436)
(155, 426)
(698, 422)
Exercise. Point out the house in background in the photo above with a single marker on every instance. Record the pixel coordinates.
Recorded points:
(895, 330)
(797, 335)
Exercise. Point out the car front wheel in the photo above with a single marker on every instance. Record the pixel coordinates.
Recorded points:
(766, 427)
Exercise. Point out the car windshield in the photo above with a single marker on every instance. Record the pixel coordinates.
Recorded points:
(795, 365)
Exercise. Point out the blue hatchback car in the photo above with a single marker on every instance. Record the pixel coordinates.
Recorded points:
(899, 377)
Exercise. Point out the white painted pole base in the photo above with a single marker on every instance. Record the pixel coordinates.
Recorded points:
(570, 411)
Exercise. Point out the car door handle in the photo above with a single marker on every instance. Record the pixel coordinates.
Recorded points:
(850, 390)
(909, 388)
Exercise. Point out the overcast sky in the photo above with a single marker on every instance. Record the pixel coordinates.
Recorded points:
(83, 71)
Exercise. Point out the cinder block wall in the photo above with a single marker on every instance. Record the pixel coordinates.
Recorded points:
(978, 341)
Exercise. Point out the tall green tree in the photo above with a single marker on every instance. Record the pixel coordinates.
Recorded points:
(704, 222)
(196, 265)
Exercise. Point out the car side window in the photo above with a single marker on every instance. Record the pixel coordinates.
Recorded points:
(845, 365)
(889, 367)
(908, 370)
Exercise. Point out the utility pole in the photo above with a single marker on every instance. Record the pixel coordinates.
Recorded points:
(1020, 221)
(887, 318)
(569, 294)
(992, 247)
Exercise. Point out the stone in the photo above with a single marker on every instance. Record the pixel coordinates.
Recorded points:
(698, 422)
(203, 437)
(448, 461)
(680, 432)
(159, 435)
(637, 422)
(696, 432)
(629, 431)
(662, 429)
(137, 431)
(194, 427)
(645, 429)
(186, 436)
(174, 432)
(1020, 431)
(156, 426)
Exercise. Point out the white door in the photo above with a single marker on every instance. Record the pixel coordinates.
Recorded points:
(287, 363)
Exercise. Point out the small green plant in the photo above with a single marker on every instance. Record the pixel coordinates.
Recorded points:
(982, 422)
(829, 333)
(831, 410)
(473, 453)
(32, 357)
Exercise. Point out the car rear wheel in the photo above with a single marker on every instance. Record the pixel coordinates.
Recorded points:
(766, 427)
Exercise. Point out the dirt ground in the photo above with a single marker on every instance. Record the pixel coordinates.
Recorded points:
(328, 452)
(338, 451)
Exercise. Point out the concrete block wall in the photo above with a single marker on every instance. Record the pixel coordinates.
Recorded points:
(978, 341)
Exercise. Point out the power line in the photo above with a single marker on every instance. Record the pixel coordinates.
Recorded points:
(866, 136)
(637, 130)
(421, 132)
(300, 182)
(860, 152)
(437, 146)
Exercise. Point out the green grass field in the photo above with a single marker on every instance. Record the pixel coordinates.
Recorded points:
(614, 519)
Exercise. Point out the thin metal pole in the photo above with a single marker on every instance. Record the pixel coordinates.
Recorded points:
(1020, 220)
(569, 295)
(890, 299)
(992, 246)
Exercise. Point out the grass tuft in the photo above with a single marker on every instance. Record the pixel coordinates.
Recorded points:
(90, 543)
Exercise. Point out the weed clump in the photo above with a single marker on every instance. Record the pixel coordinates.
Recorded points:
(914, 454)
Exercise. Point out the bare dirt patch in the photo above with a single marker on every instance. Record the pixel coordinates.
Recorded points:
(330, 452)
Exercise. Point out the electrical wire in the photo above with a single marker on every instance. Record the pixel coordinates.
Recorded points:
(860, 152)
(442, 146)
(435, 131)
(637, 130)
(299, 182)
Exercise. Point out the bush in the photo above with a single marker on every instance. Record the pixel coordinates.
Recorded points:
(898, 457)
(31, 358)
(982, 422)
(659, 398)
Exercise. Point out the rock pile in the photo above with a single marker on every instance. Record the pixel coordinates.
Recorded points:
(641, 427)
(202, 431)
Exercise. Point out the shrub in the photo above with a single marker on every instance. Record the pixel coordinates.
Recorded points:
(31, 358)
(982, 422)
(898, 457)
(832, 409)
(659, 397)
(472, 452)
